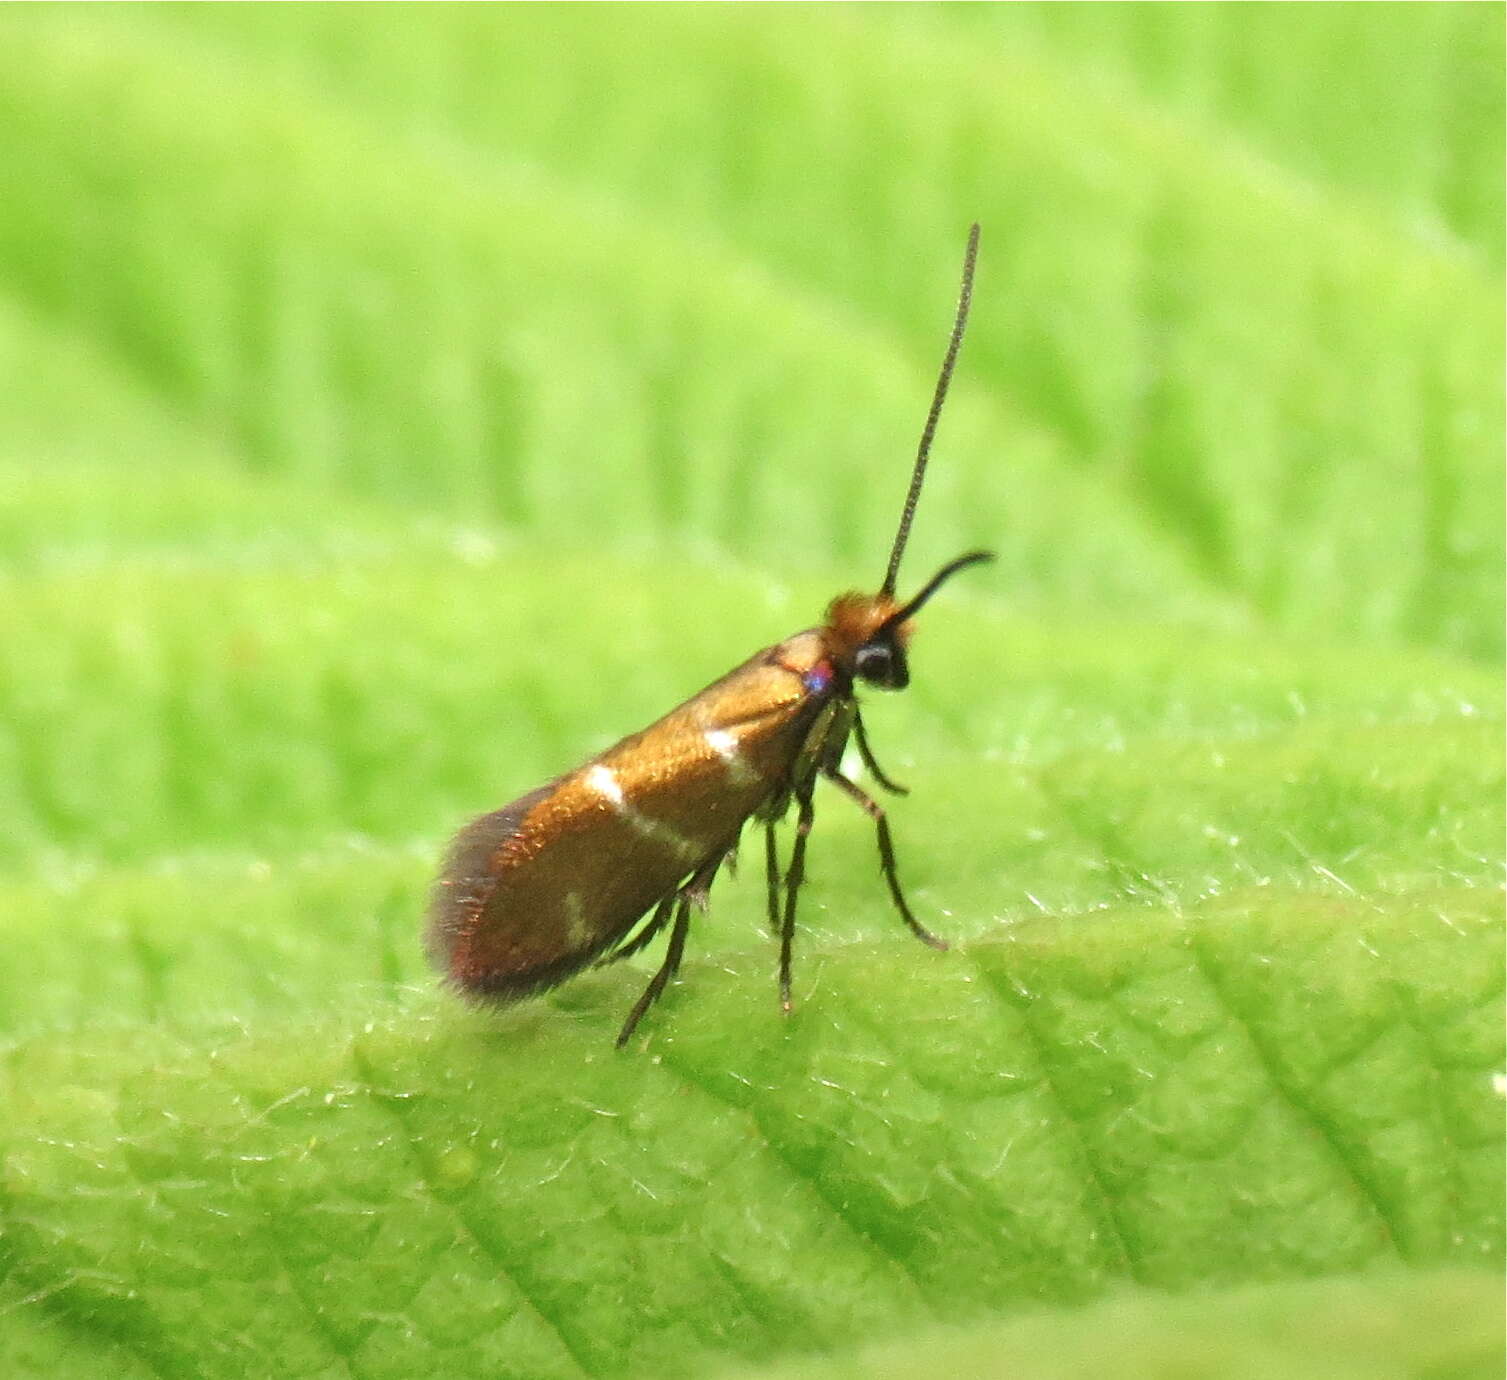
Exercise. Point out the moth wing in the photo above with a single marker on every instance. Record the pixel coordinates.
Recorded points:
(533, 892)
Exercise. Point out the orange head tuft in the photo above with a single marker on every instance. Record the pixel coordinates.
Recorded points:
(854, 619)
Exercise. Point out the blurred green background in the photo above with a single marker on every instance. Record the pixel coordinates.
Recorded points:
(403, 403)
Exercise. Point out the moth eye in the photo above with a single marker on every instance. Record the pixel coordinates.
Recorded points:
(874, 662)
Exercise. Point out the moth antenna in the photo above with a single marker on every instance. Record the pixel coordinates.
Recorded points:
(936, 582)
(918, 473)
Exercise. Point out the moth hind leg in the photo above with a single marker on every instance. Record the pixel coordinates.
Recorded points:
(772, 877)
(656, 987)
(645, 936)
(795, 874)
(691, 893)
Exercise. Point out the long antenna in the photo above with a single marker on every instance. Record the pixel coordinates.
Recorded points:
(965, 295)
(902, 615)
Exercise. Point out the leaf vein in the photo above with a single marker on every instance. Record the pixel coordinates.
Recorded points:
(1017, 1000)
(1291, 1096)
(461, 1219)
(812, 1183)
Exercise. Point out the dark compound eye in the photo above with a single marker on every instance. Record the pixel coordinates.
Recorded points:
(881, 664)
(874, 662)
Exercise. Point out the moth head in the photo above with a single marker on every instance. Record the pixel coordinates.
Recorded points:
(869, 633)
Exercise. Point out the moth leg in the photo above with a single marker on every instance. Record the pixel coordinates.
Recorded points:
(875, 812)
(693, 893)
(666, 970)
(772, 876)
(794, 876)
(867, 753)
(644, 936)
(699, 887)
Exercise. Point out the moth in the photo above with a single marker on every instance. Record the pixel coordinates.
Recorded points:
(591, 867)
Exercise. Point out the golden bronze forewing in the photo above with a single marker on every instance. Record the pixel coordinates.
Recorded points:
(606, 842)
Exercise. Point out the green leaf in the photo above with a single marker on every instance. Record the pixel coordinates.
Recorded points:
(1248, 1091)
(1432, 1323)
(410, 405)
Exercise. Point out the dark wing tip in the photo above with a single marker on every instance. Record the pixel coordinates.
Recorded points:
(467, 879)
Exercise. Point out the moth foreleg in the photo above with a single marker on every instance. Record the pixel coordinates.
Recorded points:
(875, 811)
(867, 753)
(794, 876)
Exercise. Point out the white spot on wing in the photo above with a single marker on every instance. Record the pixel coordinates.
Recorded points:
(604, 780)
(664, 834)
(578, 928)
(725, 745)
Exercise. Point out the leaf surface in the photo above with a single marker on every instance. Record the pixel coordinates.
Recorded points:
(409, 406)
